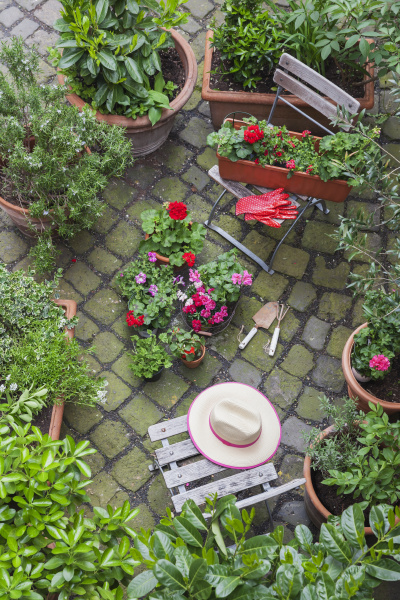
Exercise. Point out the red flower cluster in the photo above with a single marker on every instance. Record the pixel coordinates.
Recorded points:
(177, 211)
(189, 257)
(253, 134)
(309, 169)
(196, 324)
(305, 133)
(191, 351)
(290, 164)
(132, 320)
(257, 161)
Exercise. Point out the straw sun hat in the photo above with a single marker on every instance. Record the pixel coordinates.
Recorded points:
(234, 425)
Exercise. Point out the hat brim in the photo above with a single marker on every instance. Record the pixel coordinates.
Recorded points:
(229, 456)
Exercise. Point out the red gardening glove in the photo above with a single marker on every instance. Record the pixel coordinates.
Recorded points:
(255, 204)
(270, 222)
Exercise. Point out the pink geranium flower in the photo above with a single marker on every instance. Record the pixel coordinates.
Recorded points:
(247, 278)
(152, 256)
(379, 362)
(236, 278)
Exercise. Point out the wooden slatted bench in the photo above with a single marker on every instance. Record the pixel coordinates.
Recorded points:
(176, 477)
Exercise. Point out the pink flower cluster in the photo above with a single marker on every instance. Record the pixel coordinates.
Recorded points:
(245, 279)
(202, 305)
(379, 362)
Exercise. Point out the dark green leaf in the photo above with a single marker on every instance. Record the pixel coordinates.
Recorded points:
(142, 584)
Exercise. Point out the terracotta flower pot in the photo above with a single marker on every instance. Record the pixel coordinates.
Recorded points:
(144, 136)
(259, 105)
(69, 307)
(270, 176)
(192, 364)
(164, 260)
(355, 390)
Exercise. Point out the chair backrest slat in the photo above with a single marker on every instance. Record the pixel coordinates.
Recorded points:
(193, 472)
(165, 429)
(176, 452)
(229, 485)
(318, 82)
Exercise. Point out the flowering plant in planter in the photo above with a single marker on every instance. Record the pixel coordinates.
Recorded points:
(151, 292)
(148, 356)
(257, 142)
(172, 233)
(183, 344)
(214, 286)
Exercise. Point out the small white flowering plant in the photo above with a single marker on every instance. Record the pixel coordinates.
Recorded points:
(54, 160)
(34, 351)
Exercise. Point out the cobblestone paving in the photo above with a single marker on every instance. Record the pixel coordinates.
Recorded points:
(310, 276)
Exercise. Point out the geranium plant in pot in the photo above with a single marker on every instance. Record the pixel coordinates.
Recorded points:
(358, 457)
(214, 289)
(252, 151)
(172, 235)
(186, 345)
(149, 358)
(49, 544)
(127, 62)
(54, 161)
(150, 291)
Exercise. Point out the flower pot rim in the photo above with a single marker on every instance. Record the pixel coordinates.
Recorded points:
(262, 98)
(176, 104)
(352, 381)
(196, 360)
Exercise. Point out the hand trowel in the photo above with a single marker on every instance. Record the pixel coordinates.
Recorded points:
(263, 318)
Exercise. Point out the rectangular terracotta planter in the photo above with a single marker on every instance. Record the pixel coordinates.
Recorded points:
(334, 190)
(259, 105)
(69, 307)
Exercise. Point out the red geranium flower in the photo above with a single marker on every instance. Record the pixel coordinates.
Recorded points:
(189, 257)
(133, 321)
(309, 169)
(253, 134)
(177, 211)
(290, 164)
(191, 351)
(257, 162)
(305, 133)
(196, 324)
(278, 153)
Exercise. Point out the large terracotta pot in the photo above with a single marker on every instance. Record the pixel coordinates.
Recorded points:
(192, 364)
(355, 390)
(259, 105)
(335, 190)
(69, 307)
(144, 136)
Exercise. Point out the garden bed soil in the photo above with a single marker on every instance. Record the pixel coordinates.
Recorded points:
(387, 389)
(327, 495)
(172, 70)
(267, 85)
(43, 419)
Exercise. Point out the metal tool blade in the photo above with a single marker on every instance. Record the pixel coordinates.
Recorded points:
(266, 315)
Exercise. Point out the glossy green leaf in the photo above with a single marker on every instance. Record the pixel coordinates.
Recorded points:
(385, 569)
(188, 532)
(142, 584)
(168, 574)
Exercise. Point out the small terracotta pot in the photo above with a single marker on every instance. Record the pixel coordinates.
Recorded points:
(69, 307)
(192, 364)
(354, 388)
(164, 260)
(144, 136)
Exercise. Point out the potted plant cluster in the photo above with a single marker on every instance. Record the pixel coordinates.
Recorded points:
(213, 292)
(49, 544)
(341, 41)
(358, 457)
(150, 290)
(127, 62)
(149, 358)
(172, 235)
(191, 558)
(299, 162)
(35, 350)
(186, 345)
(54, 161)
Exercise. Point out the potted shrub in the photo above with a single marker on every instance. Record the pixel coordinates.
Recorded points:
(62, 551)
(213, 292)
(149, 358)
(36, 344)
(150, 290)
(54, 161)
(138, 76)
(299, 162)
(186, 345)
(243, 52)
(172, 235)
(192, 555)
(358, 457)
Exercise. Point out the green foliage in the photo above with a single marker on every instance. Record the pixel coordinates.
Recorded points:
(183, 344)
(337, 450)
(46, 543)
(171, 237)
(34, 351)
(186, 557)
(44, 146)
(157, 309)
(375, 471)
(148, 356)
(333, 158)
(24, 408)
(217, 274)
(111, 53)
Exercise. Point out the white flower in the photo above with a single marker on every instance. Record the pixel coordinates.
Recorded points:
(8, 377)
(189, 302)
(198, 284)
(13, 387)
(2, 387)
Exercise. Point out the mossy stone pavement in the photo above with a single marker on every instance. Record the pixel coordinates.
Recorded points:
(310, 276)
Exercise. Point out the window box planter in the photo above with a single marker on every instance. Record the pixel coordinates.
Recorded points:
(144, 136)
(259, 105)
(356, 391)
(271, 176)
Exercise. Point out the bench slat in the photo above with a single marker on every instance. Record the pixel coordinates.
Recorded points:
(192, 472)
(165, 429)
(229, 485)
(176, 452)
